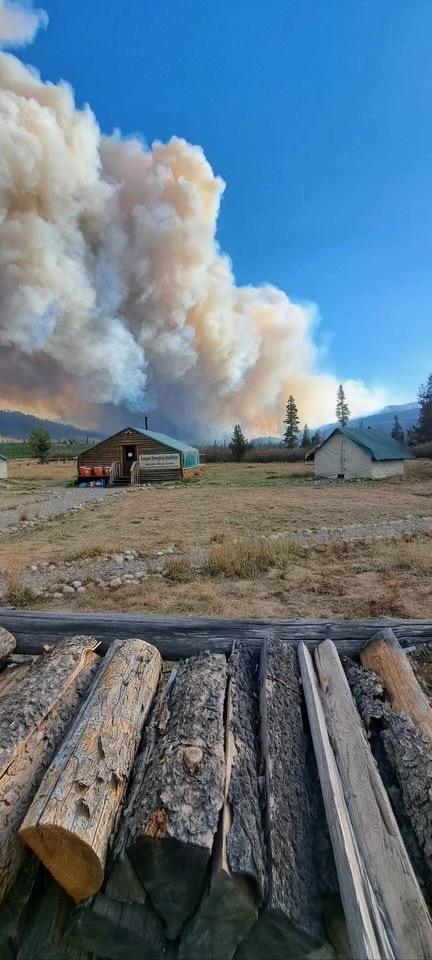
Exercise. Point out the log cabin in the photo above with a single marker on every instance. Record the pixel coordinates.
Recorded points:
(135, 456)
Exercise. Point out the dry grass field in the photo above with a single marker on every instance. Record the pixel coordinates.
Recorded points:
(229, 517)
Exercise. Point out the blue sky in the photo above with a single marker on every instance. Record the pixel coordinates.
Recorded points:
(318, 117)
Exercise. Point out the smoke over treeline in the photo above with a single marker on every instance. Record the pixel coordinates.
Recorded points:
(113, 288)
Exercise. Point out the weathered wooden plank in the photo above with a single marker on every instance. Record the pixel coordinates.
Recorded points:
(354, 885)
(70, 821)
(290, 923)
(7, 644)
(377, 835)
(238, 875)
(407, 750)
(173, 820)
(117, 931)
(178, 637)
(22, 777)
(384, 655)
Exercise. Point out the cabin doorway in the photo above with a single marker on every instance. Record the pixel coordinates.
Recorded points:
(129, 456)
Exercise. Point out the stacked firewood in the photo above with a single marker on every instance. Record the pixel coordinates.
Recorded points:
(212, 807)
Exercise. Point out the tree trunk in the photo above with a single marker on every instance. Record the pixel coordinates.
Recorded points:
(408, 752)
(388, 867)
(238, 876)
(290, 921)
(70, 821)
(7, 644)
(118, 931)
(384, 655)
(173, 820)
(31, 748)
(420, 658)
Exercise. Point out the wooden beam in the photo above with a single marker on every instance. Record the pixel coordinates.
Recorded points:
(354, 885)
(384, 655)
(386, 861)
(7, 644)
(178, 637)
(70, 821)
(174, 817)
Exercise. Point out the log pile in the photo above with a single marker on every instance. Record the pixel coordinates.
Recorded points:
(274, 802)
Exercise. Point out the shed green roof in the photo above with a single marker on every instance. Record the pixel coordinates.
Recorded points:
(379, 444)
(168, 441)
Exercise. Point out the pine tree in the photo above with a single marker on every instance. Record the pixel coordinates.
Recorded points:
(315, 439)
(424, 426)
(39, 441)
(342, 408)
(397, 432)
(238, 443)
(292, 423)
(306, 440)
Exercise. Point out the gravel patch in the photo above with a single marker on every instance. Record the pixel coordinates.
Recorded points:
(106, 571)
(361, 531)
(60, 500)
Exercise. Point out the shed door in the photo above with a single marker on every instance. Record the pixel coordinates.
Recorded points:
(129, 455)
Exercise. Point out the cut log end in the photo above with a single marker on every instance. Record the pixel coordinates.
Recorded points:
(71, 862)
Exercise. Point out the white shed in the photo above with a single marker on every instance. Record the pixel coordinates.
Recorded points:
(3, 468)
(352, 454)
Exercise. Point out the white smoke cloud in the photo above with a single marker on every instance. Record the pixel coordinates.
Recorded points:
(18, 24)
(110, 272)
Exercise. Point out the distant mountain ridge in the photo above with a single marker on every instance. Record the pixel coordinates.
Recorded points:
(16, 426)
(407, 413)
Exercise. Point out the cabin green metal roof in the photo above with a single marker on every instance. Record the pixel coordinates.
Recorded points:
(168, 441)
(379, 444)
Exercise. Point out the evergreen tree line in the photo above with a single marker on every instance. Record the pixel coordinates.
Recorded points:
(295, 437)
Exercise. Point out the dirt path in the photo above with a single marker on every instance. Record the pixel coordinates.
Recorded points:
(354, 532)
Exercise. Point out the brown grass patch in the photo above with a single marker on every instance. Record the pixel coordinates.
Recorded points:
(19, 595)
(179, 570)
(249, 558)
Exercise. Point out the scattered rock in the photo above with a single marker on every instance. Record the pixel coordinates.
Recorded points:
(67, 589)
(115, 582)
(76, 584)
(81, 589)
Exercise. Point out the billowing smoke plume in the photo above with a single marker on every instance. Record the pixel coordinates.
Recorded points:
(19, 25)
(113, 288)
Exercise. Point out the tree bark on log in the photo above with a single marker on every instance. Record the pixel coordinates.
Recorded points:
(384, 655)
(238, 874)
(31, 702)
(420, 658)
(115, 930)
(70, 821)
(11, 675)
(408, 751)
(387, 864)
(174, 818)
(290, 922)
(23, 776)
(7, 645)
